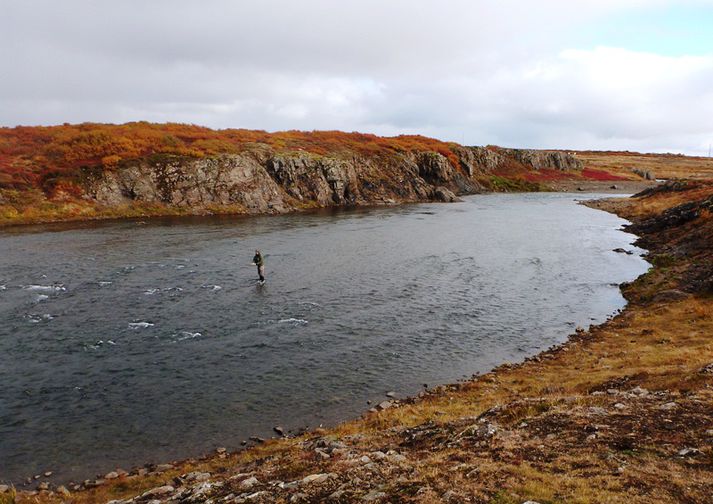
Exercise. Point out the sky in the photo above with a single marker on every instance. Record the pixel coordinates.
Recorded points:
(587, 74)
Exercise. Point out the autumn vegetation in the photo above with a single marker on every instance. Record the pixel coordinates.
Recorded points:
(44, 169)
(44, 156)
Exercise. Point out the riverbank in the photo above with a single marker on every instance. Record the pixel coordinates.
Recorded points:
(620, 413)
(137, 170)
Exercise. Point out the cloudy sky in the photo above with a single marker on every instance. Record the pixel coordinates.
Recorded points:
(599, 74)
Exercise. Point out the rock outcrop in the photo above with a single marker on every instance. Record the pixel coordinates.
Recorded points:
(540, 160)
(264, 181)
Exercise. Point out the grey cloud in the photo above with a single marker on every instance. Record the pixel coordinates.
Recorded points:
(473, 71)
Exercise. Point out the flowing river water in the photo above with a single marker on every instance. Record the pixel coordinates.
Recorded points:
(127, 342)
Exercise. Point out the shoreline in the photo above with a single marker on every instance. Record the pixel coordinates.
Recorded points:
(564, 186)
(475, 415)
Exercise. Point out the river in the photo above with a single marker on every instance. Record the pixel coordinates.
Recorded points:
(130, 342)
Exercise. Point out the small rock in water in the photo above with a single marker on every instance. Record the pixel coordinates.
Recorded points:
(392, 395)
(279, 430)
(48, 474)
(111, 475)
(384, 405)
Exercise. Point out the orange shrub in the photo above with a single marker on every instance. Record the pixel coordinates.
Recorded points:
(28, 155)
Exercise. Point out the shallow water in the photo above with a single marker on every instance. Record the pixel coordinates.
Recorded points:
(123, 343)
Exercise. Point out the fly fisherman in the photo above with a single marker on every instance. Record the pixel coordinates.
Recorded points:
(260, 263)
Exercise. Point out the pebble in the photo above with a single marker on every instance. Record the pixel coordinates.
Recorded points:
(322, 454)
(162, 490)
(620, 406)
(279, 430)
(374, 495)
(111, 475)
(384, 405)
(689, 452)
(48, 474)
(365, 459)
(62, 490)
(256, 495)
(668, 406)
(220, 450)
(197, 476)
(249, 483)
(391, 394)
(43, 486)
(315, 478)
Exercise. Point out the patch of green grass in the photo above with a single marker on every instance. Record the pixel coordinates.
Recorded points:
(504, 184)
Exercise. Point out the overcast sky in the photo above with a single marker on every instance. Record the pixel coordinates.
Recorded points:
(598, 74)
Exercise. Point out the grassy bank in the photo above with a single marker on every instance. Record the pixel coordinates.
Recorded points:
(622, 412)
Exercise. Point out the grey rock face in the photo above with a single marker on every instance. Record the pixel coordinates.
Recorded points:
(540, 160)
(263, 181)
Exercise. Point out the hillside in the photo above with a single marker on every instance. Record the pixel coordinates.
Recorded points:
(86, 171)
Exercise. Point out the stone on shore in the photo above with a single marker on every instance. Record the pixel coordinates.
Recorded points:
(158, 491)
(249, 483)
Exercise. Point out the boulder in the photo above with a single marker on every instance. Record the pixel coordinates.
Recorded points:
(444, 195)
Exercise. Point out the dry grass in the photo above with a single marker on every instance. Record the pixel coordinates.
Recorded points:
(663, 166)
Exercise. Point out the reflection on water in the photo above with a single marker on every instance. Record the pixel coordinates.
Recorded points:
(128, 342)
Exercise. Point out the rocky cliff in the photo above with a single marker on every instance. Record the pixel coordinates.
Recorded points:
(265, 181)
(102, 170)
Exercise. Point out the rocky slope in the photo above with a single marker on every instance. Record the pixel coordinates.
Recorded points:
(621, 413)
(264, 181)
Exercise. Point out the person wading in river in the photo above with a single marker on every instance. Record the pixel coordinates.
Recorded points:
(260, 263)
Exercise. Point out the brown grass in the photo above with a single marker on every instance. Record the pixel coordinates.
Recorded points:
(663, 166)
